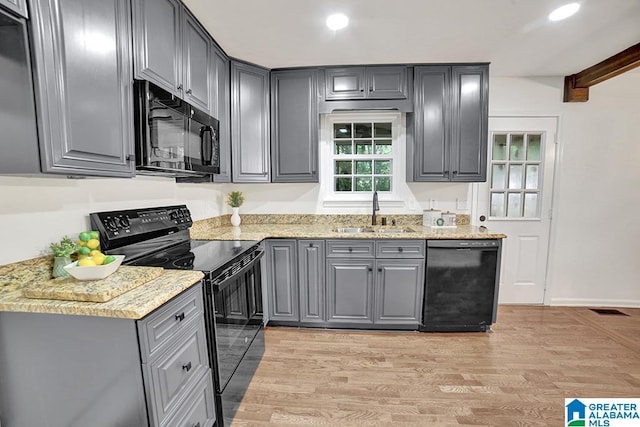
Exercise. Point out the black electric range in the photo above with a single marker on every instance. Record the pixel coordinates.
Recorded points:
(159, 237)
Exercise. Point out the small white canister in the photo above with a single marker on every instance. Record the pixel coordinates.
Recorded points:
(429, 217)
(450, 219)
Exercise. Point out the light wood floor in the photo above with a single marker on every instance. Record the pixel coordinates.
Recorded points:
(518, 375)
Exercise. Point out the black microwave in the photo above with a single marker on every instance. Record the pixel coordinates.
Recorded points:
(173, 138)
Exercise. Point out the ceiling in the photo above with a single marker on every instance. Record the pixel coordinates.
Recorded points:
(514, 35)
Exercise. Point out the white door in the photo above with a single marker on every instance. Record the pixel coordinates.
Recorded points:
(516, 201)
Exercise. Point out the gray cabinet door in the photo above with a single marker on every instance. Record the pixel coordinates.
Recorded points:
(18, 6)
(431, 123)
(345, 83)
(197, 66)
(386, 82)
(282, 280)
(398, 291)
(294, 126)
(470, 86)
(250, 123)
(350, 291)
(157, 43)
(221, 109)
(311, 258)
(84, 86)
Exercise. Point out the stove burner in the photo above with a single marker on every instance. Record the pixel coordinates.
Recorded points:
(185, 262)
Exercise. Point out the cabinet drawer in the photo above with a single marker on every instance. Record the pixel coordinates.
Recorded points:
(400, 249)
(350, 248)
(198, 409)
(168, 321)
(178, 365)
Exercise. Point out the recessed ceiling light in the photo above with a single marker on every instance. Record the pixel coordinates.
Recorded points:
(563, 12)
(337, 21)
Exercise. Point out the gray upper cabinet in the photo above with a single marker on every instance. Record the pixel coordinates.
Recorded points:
(382, 82)
(221, 110)
(311, 259)
(18, 6)
(294, 126)
(449, 128)
(282, 280)
(172, 50)
(84, 86)
(251, 160)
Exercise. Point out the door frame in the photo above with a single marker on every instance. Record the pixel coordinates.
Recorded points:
(558, 151)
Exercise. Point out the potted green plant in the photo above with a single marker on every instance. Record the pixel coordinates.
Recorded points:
(235, 199)
(62, 252)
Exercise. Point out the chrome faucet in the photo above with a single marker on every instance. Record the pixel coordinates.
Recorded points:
(376, 207)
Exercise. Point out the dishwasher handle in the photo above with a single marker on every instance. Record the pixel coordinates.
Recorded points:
(491, 244)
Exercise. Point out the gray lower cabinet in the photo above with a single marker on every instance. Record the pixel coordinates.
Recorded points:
(449, 127)
(83, 85)
(251, 160)
(18, 6)
(294, 125)
(399, 290)
(172, 50)
(282, 280)
(350, 291)
(104, 372)
(311, 279)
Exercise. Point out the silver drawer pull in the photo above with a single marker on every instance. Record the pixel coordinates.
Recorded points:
(187, 366)
(350, 249)
(180, 317)
(400, 249)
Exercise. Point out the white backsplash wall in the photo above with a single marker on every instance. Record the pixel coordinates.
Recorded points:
(35, 211)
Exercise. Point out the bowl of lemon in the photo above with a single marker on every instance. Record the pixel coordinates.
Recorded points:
(95, 266)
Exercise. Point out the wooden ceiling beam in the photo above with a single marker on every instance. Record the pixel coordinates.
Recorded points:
(576, 86)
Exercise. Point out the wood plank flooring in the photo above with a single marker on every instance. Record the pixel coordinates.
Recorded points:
(518, 375)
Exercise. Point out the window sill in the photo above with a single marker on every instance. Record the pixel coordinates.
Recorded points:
(363, 203)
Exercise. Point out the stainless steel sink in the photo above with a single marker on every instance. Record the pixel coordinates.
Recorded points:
(396, 230)
(353, 230)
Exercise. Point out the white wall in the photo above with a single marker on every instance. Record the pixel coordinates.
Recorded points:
(595, 234)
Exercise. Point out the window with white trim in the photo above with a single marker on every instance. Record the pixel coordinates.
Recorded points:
(363, 152)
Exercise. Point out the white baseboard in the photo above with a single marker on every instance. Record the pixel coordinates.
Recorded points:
(586, 302)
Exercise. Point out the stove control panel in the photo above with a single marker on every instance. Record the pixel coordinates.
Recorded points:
(128, 226)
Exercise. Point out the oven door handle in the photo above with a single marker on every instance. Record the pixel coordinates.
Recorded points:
(218, 286)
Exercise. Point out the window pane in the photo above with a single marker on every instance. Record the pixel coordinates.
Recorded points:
(530, 205)
(383, 183)
(383, 147)
(531, 182)
(516, 149)
(533, 147)
(382, 130)
(363, 167)
(342, 130)
(515, 176)
(344, 147)
(343, 184)
(343, 167)
(362, 130)
(497, 204)
(383, 167)
(363, 183)
(514, 207)
(498, 177)
(363, 148)
(499, 147)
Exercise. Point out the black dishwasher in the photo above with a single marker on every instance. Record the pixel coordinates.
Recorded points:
(461, 285)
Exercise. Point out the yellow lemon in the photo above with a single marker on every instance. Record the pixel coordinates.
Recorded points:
(86, 262)
(98, 259)
(81, 243)
(93, 243)
(95, 252)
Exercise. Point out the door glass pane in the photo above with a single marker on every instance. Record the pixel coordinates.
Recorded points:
(382, 130)
(498, 177)
(383, 167)
(531, 205)
(515, 176)
(531, 182)
(383, 147)
(344, 147)
(499, 147)
(363, 167)
(343, 184)
(497, 204)
(533, 147)
(383, 183)
(343, 167)
(362, 130)
(363, 147)
(363, 183)
(342, 130)
(516, 149)
(514, 207)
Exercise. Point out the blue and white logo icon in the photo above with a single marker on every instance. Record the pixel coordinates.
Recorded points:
(601, 412)
(575, 413)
